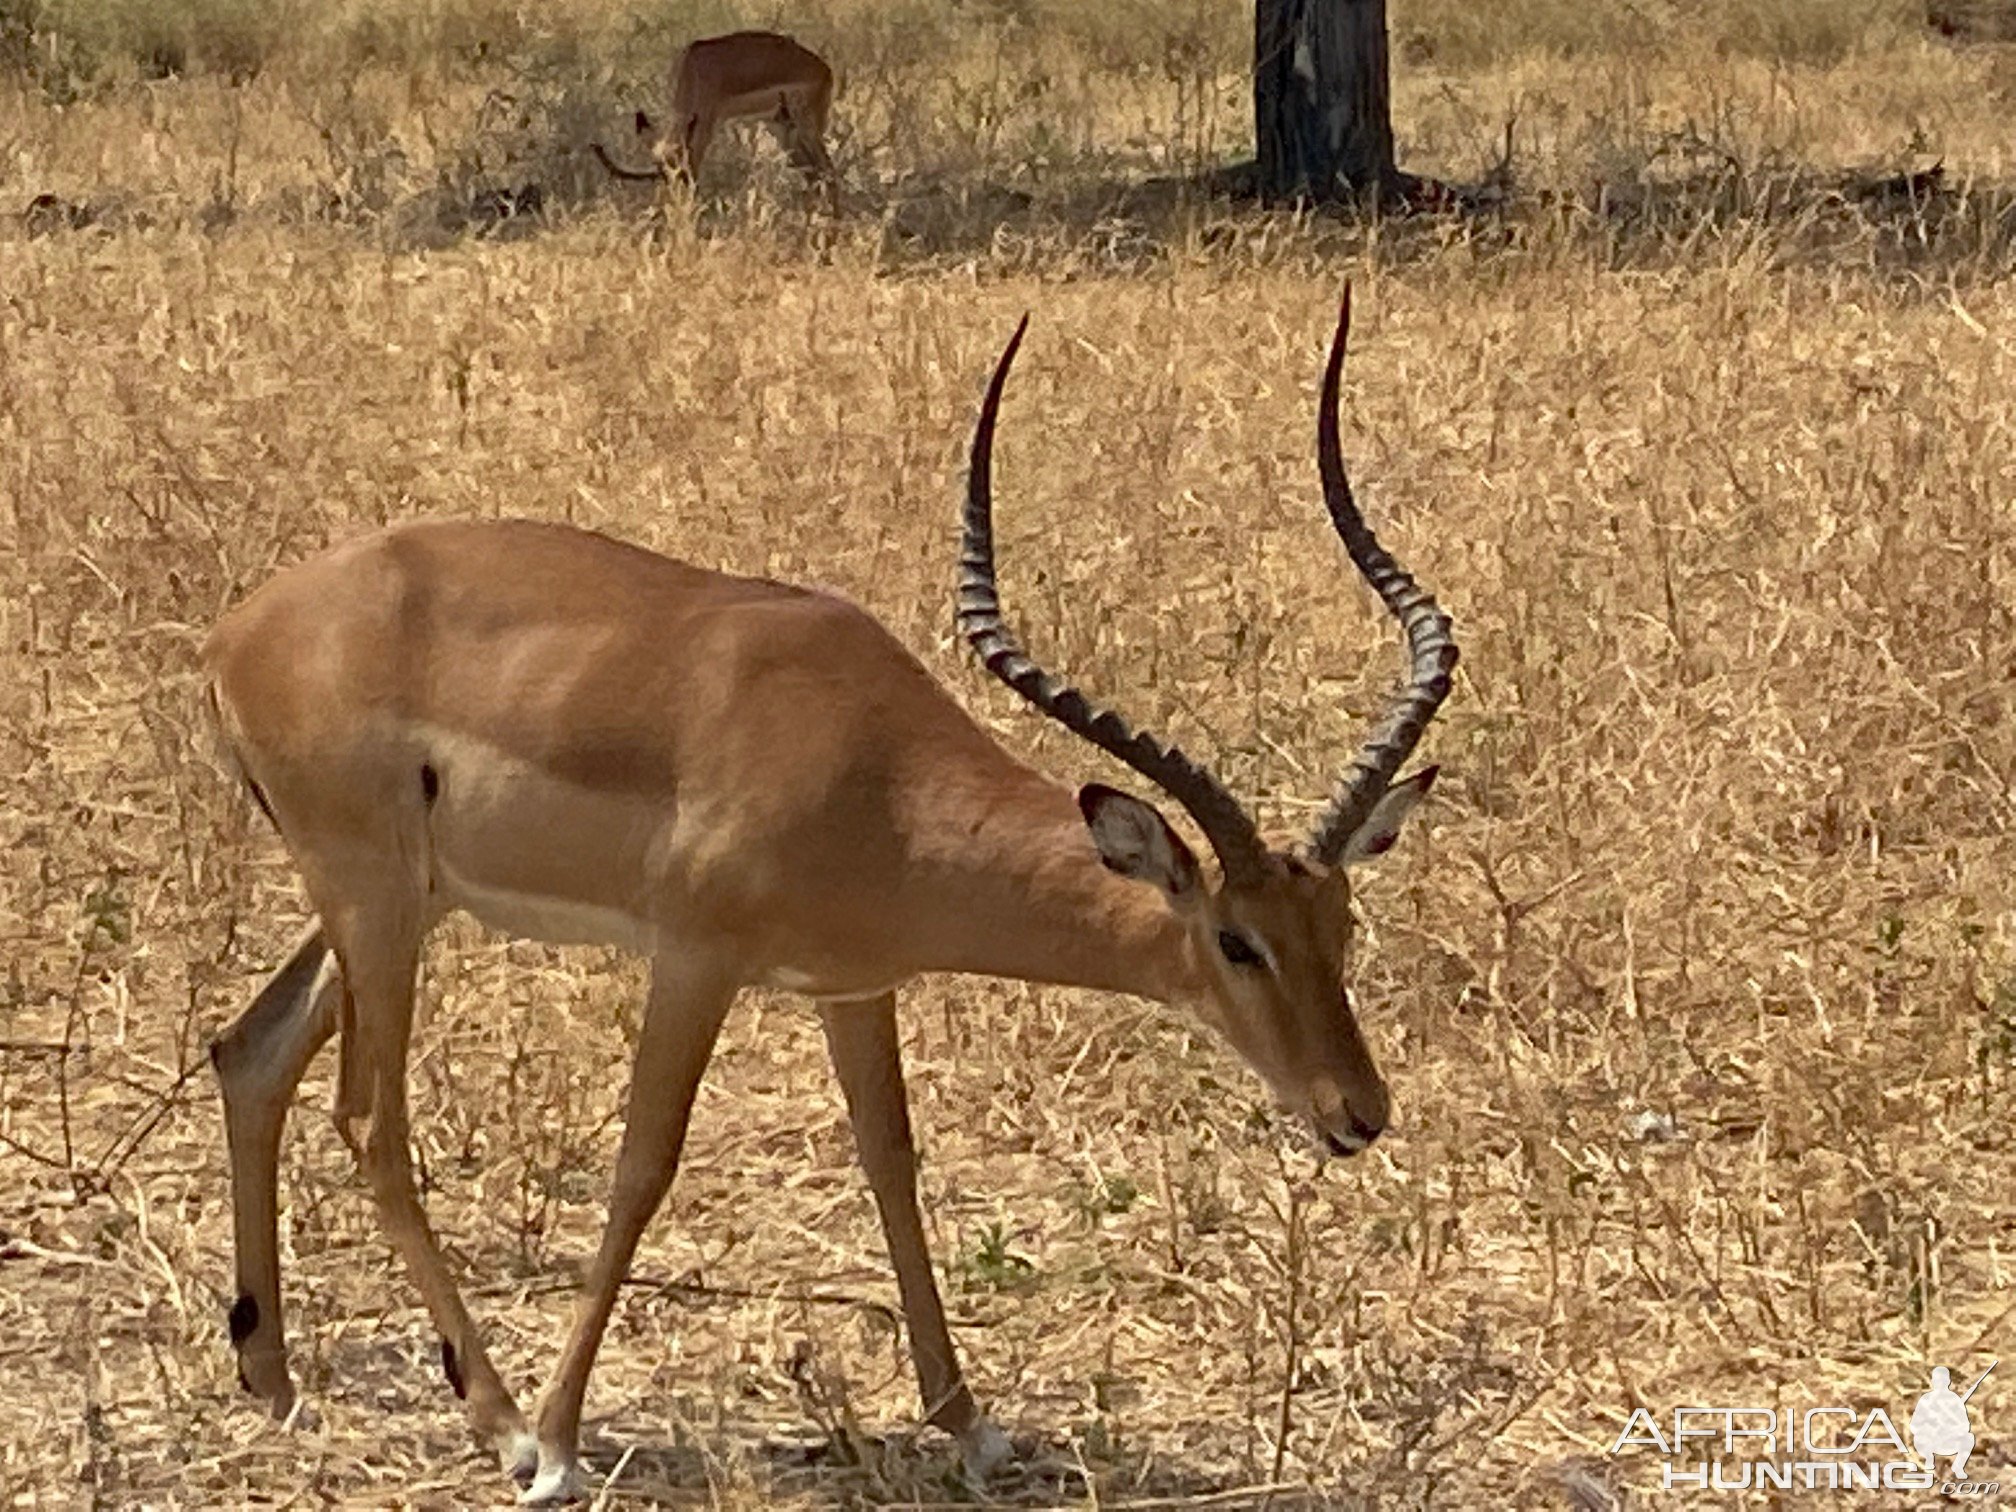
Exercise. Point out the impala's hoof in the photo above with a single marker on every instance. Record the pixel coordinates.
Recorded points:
(983, 1449)
(301, 1418)
(520, 1457)
(554, 1486)
(282, 1403)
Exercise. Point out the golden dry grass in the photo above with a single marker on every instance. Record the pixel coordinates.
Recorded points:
(1697, 993)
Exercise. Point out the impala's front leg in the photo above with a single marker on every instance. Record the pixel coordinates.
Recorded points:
(862, 1039)
(695, 136)
(682, 1019)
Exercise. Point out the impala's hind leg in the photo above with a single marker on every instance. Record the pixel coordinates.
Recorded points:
(259, 1060)
(800, 125)
(378, 943)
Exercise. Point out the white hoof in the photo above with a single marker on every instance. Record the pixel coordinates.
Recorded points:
(520, 1457)
(301, 1418)
(555, 1485)
(984, 1448)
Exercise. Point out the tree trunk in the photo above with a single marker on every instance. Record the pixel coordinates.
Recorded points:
(1321, 101)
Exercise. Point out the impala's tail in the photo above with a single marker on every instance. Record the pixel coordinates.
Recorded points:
(225, 748)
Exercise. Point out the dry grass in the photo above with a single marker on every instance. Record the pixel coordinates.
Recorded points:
(1698, 995)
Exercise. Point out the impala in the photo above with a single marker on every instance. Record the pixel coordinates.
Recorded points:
(756, 74)
(754, 785)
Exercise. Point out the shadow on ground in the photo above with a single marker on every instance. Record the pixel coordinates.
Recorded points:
(848, 1470)
(1906, 219)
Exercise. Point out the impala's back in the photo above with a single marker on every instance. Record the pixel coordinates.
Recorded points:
(580, 741)
(741, 67)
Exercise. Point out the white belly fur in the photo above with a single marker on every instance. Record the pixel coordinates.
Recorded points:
(485, 793)
(562, 921)
(557, 921)
(820, 989)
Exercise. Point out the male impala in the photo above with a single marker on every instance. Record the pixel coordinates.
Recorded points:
(754, 785)
(756, 74)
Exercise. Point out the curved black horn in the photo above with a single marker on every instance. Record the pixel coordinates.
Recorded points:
(1431, 650)
(1217, 812)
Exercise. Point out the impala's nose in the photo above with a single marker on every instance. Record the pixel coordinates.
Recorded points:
(1354, 1135)
(1347, 1125)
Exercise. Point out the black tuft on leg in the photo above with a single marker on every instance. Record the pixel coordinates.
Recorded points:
(243, 1319)
(452, 1368)
(430, 783)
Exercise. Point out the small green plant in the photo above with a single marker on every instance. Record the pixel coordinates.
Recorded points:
(1105, 1198)
(1998, 1027)
(108, 914)
(990, 1265)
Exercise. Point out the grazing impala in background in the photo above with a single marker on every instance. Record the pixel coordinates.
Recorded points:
(761, 75)
(753, 785)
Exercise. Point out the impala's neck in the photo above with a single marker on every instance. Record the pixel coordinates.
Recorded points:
(1025, 896)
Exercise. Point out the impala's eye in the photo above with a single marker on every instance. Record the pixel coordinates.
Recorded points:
(1237, 949)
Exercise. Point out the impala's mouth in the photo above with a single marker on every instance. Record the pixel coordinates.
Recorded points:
(1344, 1133)
(1340, 1123)
(1341, 1145)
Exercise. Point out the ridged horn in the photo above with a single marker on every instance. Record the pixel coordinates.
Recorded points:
(1431, 649)
(1225, 824)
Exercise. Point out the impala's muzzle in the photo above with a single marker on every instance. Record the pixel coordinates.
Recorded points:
(1344, 1124)
(1354, 1136)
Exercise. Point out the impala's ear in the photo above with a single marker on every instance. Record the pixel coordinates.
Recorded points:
(1382, 826)
(1136, 841)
